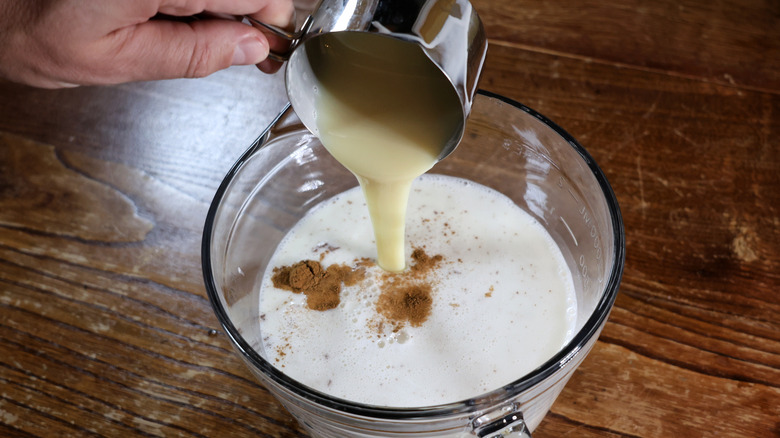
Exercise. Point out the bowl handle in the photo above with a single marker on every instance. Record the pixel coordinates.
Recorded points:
(503, 422)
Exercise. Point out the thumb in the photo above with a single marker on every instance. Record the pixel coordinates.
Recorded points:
(160, 49)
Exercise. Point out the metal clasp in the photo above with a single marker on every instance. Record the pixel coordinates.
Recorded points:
(504, 422)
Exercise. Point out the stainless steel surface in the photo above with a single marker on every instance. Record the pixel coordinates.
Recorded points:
(449, 32)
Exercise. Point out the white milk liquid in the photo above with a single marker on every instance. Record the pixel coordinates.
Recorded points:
(503, 300)
(385, 112)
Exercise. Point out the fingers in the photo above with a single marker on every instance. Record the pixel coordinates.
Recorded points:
(277, 45)
(161, 49)
(279, 13)
(89, 43)
(185, 8)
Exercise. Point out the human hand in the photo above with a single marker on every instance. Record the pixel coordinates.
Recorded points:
(62, 43)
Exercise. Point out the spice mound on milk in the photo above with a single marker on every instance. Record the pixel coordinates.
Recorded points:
(406, 297)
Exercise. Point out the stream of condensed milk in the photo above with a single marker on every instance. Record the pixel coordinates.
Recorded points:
(385, 112)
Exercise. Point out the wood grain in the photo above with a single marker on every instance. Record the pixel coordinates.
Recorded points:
(105, 329)
(723, 41)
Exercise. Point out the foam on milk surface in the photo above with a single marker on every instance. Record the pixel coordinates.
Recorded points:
(503, 300)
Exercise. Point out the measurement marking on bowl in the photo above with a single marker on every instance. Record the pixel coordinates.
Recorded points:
(573, 195)
(571, 233)
(561, 183)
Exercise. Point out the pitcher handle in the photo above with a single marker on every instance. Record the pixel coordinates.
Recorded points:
(292, 36)
(507, 422)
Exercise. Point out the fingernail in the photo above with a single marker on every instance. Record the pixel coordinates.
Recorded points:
(250, 50)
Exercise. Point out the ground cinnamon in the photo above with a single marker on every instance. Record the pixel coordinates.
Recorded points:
(422, 263)
(406, 297)
(322, 287)
(406, 303)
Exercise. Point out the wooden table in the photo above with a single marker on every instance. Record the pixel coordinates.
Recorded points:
(106, 329)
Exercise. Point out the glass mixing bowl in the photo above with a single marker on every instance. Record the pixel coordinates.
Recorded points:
(507, 147)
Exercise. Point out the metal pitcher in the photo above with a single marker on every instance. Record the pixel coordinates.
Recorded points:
(449, 33)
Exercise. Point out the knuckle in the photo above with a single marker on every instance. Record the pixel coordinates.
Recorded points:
(201, 60)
